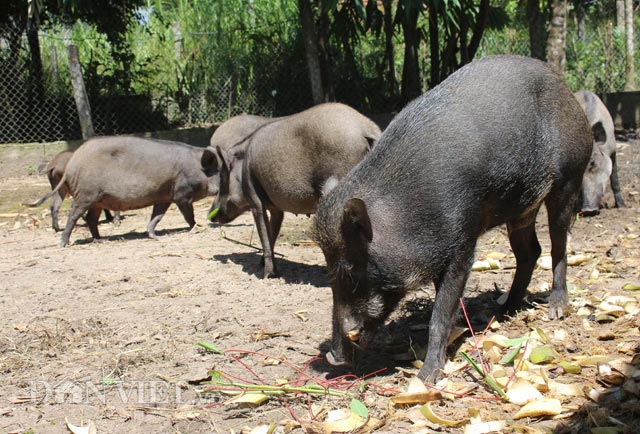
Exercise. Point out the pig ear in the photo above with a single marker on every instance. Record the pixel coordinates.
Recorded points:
(356, 228)
(599, 134)
(209, 162)
(223, 160)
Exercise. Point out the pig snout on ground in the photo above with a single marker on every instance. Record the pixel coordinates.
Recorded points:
(287, 165)
(602, 168)
(487, 147)
(123, 173)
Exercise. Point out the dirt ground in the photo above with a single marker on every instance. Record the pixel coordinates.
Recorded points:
(107, 332)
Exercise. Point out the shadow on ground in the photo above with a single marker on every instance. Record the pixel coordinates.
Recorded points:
(404, 339)
(289, 271)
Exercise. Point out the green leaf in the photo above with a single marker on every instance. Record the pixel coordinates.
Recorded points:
(107, 381)
(542, 354)
(515, 342)
(508, 358)
(210, 347)
(213, 213)
(359, 408)
(362, 12)
(215, 376)
(631, 287)
(570, 368)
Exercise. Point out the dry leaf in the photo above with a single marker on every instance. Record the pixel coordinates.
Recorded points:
(522, 392)
(577, 259)
(496, 255)
(89, 429)
(610, 376)
(456, 333)
(485, 427)
(592, 360)
(432, 417)
(248, 400)
(545, 262)
(342, 420)
(264, 429)
(566, 389)
(417, 393)
(539, 408)
(492, 340)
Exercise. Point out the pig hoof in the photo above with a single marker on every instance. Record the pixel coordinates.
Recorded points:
(194, 229)
(270, 274)
(429, 376)
(333, 361)
(556, 312)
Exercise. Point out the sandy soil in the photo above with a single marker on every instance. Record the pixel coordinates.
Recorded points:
(107, 331)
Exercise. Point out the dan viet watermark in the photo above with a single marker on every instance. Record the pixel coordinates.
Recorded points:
(70, 391)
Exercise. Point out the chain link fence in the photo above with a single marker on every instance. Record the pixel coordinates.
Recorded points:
(595, 57)
(38, 106)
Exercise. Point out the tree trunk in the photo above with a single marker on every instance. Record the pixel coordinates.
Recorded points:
(326, 68)
(581, 25)
(620, 9)
(311, 50)
(80, 93)
(478, 30)
(36, 59)
(537, 35)
(630, 70)
(434, 48)
(389, 51)
(411, 67)
(557, 43)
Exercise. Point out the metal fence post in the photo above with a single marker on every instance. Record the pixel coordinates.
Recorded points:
(80, 93)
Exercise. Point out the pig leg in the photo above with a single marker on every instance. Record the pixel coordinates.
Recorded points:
(449, 289)
(156, 215)
(107, 215)
(55, 207)
(266, 238)
(77, 210)
(259, 211)
(117, 218)
(615, 183)
(275, 223)
(93, 215)
(186, 208)
(560, 210)
(526, 248)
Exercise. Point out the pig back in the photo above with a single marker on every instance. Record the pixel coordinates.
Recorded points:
(293, 158)
(133, 172)
(485, 145)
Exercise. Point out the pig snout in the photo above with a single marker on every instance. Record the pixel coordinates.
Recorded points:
(345, 353)
(347, 343)
(335, 360)
(589, 212)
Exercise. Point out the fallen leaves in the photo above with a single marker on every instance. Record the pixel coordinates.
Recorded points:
(539, 408)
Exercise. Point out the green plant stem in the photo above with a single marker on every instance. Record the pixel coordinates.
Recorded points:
(275, 390)
(487, 378)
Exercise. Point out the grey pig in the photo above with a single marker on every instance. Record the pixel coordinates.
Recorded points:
(603, 166)
(486, 147)
(123, 173)
(286, 166)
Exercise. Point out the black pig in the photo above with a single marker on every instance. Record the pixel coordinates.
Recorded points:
(486, 147)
